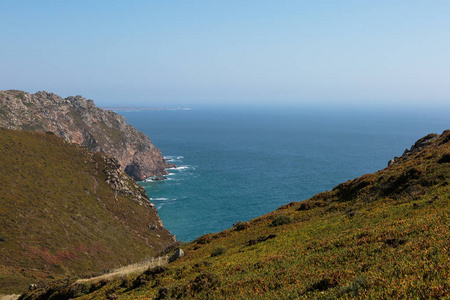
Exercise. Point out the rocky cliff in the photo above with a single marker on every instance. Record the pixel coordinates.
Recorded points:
(66, 210)
(78, 120)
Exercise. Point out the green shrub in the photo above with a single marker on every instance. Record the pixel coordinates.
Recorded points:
(218, 251)
(204, 239)
(241, 226)
(281, 220)
(81, 289)
(358, 284)
(322, 285)
(205, 281)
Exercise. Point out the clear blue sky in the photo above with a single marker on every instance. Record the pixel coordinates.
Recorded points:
(165, 53)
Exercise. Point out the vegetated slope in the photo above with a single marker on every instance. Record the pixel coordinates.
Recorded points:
(65, 210)
(383, 235)
(79, 121)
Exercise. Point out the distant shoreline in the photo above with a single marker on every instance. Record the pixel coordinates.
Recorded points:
(131, 109)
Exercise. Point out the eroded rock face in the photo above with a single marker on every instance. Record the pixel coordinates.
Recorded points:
(122, 184)
(78, 120)
(422, 143)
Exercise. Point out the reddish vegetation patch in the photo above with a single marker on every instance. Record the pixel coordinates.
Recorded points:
(60, 256)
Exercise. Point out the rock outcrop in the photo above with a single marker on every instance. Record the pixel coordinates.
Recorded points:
(177, 255)
(122, 184)
(78, 120)
(420, 144)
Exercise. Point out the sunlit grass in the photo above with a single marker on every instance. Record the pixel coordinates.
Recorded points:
(381, 236)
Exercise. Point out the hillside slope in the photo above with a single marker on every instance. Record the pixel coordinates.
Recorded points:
(381, 236)
(65, 210)
(78, 120)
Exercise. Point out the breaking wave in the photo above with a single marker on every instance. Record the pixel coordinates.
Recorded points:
(162, 199)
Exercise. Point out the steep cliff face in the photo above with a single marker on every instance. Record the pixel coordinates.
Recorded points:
(66, 210)
(78, 120)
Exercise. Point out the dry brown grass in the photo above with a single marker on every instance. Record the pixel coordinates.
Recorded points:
(9, 297)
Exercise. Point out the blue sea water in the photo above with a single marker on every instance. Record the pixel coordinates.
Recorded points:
(237, 164)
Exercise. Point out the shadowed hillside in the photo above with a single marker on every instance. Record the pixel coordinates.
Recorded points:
(383, 235)
(65, 210)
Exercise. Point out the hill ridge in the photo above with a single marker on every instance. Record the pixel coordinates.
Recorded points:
(78, 120)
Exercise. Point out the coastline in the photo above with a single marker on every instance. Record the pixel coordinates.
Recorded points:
(135, 109)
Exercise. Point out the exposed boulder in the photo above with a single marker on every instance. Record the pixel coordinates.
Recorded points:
(178, 254)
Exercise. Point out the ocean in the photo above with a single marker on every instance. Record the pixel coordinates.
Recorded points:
(235, 164)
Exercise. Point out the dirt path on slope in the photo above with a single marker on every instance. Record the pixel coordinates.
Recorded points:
(135, 268)
(9, 297)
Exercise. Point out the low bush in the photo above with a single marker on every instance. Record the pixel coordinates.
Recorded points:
(81, 289)
(357, 285)
(241, 226)
(281, 220)
(218, 251)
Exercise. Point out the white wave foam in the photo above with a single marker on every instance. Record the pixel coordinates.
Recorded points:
(181, 168)
(174, 157)
(152, 179)
(162, 199)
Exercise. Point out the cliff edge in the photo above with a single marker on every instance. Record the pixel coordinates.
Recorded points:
(79, 121)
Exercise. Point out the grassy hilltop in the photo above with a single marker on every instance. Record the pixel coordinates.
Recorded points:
(383, 235)
(65, 210)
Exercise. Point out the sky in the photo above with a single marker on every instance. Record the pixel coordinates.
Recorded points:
(186, 53)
